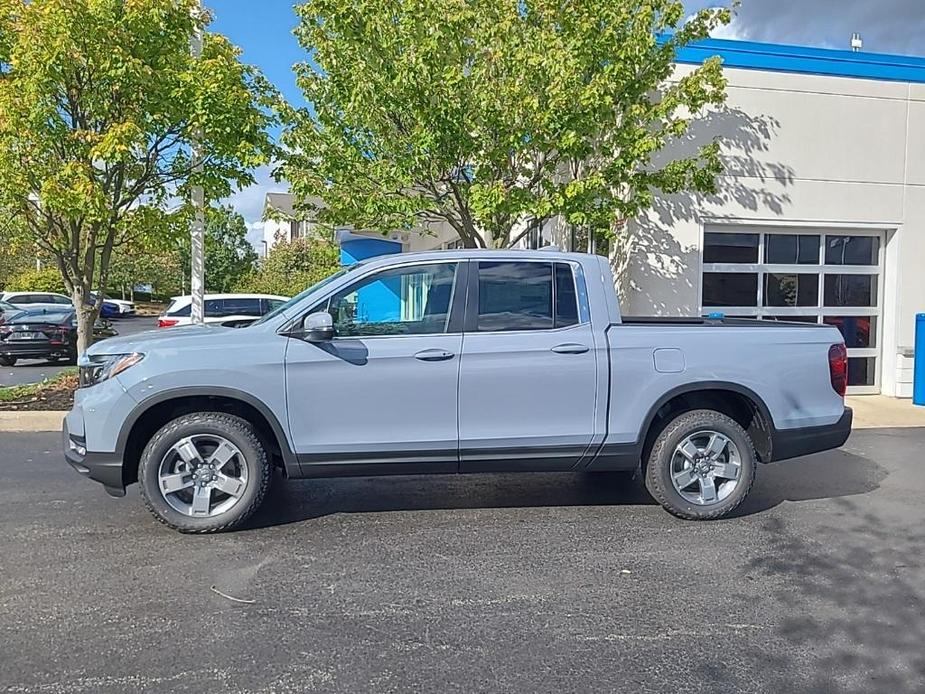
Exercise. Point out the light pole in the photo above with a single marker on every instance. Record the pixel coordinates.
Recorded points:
(197, 233)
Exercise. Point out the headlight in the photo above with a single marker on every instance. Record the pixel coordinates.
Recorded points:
(101, 367)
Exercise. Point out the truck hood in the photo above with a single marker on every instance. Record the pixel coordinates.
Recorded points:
(163, 338)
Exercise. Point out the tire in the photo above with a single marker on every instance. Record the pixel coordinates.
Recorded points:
(249, 473)
(734, 463)
(7, 361)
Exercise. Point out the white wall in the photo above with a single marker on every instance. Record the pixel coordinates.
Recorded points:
(799, 149)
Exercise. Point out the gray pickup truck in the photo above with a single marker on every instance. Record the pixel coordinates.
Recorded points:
(449, 362)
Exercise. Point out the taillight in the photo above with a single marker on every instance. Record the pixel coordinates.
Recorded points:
(57, 337)
(166, 322)
(838, 368)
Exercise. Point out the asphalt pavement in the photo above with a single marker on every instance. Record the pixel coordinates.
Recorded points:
(491, 583)
(35, 370)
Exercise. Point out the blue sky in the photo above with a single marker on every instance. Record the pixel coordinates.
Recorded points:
(263, 30)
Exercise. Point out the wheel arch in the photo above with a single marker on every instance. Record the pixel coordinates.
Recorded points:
(740, 403)
(152, 413)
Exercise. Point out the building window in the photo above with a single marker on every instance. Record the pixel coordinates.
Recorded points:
(806, 276)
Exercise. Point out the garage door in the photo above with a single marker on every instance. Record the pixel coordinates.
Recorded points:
(808, 275)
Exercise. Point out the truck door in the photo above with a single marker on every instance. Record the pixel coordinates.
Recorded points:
(383, 392)
(528, 374)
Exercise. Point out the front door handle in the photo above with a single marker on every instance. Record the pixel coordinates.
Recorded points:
(434, 355)
(570, 348)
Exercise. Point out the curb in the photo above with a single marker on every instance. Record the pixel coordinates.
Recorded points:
(26, 421)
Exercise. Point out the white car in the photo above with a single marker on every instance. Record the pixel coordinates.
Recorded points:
(231, 309)
(36, 300)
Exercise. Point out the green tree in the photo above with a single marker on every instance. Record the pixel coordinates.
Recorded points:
(229, 256)
(100, 102)
(44, 280)
(486, 114)
(292, 266)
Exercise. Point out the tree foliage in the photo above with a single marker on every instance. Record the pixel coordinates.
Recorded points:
(292, 266)
(100, 101)
(229, 256)
(488, 113)
(45, 280)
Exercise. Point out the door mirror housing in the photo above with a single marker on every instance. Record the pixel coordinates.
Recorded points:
(318, 327)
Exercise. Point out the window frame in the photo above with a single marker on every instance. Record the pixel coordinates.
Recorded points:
(820, 269)
(457, 303)
(581, 296)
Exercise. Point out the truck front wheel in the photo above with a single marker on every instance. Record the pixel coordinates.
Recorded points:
(702, 465)
(204, 472)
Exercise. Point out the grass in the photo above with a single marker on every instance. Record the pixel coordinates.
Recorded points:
(52, 392)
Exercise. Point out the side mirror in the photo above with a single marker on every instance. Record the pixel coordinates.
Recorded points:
(319, 327)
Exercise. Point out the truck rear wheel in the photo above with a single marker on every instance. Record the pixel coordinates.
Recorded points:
(701, 466)
(204, 472)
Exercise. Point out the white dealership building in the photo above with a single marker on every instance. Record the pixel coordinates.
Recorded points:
(820, 214)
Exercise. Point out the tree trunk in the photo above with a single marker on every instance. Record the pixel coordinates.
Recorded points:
(86, 317)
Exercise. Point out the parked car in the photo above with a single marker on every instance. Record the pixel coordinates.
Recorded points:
(232, 310)
(44, 334)
(114, 308)
(7, 310)
(454, 361)
(37, 300)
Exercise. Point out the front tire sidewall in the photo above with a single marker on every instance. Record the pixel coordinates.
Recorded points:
(658, 471)
(236, 430)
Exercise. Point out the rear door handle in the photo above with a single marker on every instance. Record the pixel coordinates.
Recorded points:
(570, 348)
(434, 355)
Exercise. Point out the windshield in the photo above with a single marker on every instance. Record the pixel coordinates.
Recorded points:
(298, 297)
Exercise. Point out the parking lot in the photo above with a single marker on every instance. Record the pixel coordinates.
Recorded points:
(35, 370)
(472, 583)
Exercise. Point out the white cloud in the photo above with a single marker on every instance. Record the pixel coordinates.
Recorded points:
(249, 203)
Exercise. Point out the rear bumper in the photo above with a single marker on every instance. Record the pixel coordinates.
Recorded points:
(105, 468)
(25, 350)
(792, 443)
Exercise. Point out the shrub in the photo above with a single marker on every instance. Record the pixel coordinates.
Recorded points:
(45, 280)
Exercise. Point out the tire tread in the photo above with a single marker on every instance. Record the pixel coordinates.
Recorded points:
(706, 418)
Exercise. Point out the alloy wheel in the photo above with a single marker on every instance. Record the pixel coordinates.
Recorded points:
(203, 475)
(705, 468)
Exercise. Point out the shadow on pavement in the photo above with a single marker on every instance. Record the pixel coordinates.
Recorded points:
(824, 476)
(828, 475)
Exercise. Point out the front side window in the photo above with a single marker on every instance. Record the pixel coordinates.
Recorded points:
(414, 300)
(241, 307)
(515, 296)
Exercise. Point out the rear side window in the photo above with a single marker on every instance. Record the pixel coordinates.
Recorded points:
(24, 299)
(566, 300)
(214, 308)
(239, 306)
(515, 296)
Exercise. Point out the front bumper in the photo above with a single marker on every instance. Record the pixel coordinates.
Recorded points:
(792, 443)
(105, 468)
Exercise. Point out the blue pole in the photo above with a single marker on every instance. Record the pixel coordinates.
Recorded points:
(918, 379)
